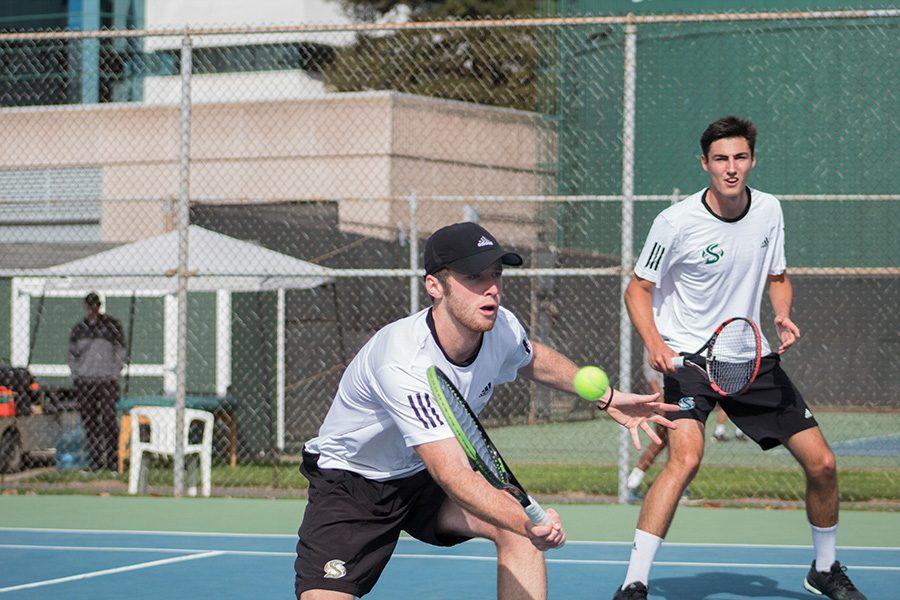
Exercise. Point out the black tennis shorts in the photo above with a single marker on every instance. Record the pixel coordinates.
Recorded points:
(770, 412)
(351, 526)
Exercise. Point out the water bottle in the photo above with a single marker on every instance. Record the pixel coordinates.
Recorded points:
(70, 448)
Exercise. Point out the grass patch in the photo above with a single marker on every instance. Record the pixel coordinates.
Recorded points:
(714, 482)
(262, 476)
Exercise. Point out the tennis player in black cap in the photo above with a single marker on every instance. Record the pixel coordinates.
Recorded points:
(385, 462)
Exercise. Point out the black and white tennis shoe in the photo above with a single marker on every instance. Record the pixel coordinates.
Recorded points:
(632, 591)
(833, 583)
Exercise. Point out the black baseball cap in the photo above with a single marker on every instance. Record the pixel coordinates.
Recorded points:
(467, 248)
(92, 299)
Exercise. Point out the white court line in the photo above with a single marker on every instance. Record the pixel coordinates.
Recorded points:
(724, 545)
(465, 557)
(659, 563)
(105, 548)
(147, 532)
(92, 574)
(191, 551)
(410, 539)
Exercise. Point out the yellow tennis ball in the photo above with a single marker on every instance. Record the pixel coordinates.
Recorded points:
(591, 383)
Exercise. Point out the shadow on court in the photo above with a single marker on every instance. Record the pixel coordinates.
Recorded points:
(707, 585)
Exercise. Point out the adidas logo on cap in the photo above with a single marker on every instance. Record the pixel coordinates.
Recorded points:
(484, 242)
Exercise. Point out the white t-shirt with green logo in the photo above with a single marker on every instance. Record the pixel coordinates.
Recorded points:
(708, 269)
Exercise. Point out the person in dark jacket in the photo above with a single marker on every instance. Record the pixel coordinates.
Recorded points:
(96, 356)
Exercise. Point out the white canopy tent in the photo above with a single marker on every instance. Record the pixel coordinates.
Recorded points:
(216, 263)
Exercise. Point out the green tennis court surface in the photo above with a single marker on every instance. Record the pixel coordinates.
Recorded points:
(109, 547)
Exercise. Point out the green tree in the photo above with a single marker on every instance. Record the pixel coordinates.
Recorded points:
(488, 66)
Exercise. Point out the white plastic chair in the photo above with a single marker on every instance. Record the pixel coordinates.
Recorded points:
(162, 443)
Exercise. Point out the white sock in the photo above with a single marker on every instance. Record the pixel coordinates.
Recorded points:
(720, 429)
(824, 539)
(635, 478)
(642, 553)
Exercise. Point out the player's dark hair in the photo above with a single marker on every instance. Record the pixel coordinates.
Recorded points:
(728, 127)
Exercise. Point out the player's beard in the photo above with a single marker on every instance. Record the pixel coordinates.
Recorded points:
(468, 316)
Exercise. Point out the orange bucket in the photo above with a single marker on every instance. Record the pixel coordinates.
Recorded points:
(7, 402)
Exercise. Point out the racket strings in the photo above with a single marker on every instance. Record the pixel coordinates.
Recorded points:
(733, 359)
(486, 453)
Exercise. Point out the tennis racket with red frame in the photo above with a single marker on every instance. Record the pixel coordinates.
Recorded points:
(730, 359)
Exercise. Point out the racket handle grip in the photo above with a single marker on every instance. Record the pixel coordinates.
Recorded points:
(536, 513)
(678, 362)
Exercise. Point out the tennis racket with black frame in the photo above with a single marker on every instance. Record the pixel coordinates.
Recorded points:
(483, 455)
(731, 357)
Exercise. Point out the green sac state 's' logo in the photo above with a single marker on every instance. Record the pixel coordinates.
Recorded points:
(335, 569)
(712, 253)
(687, 403)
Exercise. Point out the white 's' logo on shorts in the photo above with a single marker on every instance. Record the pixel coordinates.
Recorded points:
(686, 403)
(334, 569)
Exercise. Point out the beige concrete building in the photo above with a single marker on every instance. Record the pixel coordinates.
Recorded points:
(370, 151)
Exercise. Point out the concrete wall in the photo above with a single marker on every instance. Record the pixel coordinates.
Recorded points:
(368, 150)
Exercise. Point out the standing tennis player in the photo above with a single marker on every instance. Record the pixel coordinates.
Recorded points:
(385, 461)
(706, 259)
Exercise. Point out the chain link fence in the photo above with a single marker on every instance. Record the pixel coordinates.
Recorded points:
(250, 206)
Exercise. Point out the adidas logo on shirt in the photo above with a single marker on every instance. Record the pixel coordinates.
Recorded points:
(765, 243)
(484, 242)
(485, 391)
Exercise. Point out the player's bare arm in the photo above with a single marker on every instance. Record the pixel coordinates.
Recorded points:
(639, 300)
(781, 293)
(449, 467)
(631, 411)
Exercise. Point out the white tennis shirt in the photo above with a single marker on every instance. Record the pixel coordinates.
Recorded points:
(708, 269)
(383, 406)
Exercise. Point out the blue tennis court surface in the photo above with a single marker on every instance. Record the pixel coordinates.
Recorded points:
(881, 445)
(70, 564)
(878, 445)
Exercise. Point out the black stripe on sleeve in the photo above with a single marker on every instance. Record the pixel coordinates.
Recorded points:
(412, 405)
(650, 258)
(424, 410)
(658, 258)
(434, 412)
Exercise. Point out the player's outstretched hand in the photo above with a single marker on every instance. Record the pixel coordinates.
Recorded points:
(548, 536)
(637, 411)
(788, 333)
(660, 358)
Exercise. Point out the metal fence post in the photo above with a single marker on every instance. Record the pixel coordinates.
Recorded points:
(183, 220)
(279, 371)
(413, 255)
(627, 240)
